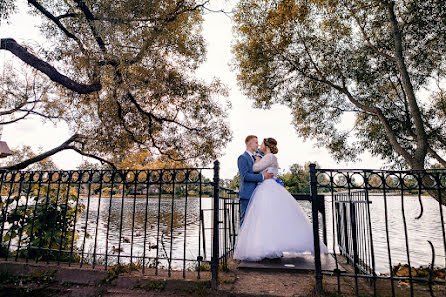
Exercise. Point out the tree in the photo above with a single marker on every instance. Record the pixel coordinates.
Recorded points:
(143, 160)
(86, 165)
(296, 180)
(234, 183)
(325, 59)
(122, 73)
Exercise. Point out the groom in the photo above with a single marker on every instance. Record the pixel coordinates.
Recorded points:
(249, 179)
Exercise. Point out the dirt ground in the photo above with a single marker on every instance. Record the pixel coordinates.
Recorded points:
(20, 279)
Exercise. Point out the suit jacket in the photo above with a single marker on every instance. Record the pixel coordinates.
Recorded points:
(248, 179)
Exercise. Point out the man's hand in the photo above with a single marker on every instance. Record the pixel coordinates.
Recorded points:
(267, 175)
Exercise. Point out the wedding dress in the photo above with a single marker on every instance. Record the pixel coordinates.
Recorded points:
(274, 221)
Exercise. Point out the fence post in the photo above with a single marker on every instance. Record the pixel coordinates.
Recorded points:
(215, 235)
(317, 250)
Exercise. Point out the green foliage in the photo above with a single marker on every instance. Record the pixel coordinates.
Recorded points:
(335, 64)
(144, 55)
(234, 183)
(296, 180)
(47, 222)
(141, 56)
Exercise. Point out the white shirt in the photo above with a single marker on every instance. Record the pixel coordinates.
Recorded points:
(250, 154)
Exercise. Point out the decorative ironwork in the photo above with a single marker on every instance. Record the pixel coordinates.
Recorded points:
(354, 226)
(160, 218)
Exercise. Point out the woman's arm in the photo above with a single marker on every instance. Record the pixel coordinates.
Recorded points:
(263, 163)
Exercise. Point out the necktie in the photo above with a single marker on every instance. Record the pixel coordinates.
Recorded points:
(253, 158)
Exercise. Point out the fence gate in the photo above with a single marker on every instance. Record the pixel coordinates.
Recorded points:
(386, 226)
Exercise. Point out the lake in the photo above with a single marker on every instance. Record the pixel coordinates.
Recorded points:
(185, 241)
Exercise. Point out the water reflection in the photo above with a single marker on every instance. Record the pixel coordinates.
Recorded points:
(180, 231)
(118, 217)
(428, 227)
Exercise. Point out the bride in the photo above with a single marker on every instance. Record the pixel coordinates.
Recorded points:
(274, 222)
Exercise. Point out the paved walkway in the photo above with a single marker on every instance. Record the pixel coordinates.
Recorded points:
(303, 263)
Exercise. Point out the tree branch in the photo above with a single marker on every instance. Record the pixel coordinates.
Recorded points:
(13, 110)
(367, 39)
(67, 145)
(370, 109)
(90, 19)
(157, 118)
(436, 156)
(66, 15)
(56, 21)
(16, 119)
(26, 163)
(93, 156)
(172, 16)
(23, 54)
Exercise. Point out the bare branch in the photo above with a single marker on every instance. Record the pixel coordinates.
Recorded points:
(23, 54)
(93, 156)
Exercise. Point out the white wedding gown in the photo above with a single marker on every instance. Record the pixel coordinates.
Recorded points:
(274, 222)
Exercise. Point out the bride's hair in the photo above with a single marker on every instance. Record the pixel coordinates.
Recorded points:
(272, 144)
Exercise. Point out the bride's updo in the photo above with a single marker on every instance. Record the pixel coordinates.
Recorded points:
(272, 144)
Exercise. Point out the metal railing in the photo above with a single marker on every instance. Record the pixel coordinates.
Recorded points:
(353, 229)
(377, 221)
(169, 218)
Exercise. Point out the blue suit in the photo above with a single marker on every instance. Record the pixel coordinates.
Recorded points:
(248, 181)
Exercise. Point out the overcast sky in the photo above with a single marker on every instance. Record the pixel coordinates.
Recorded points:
(243, 118)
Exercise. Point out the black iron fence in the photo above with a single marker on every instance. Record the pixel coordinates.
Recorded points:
(181, 219)
(171, 218)
(388, 226)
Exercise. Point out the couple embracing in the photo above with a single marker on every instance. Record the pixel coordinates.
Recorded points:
(272, 222)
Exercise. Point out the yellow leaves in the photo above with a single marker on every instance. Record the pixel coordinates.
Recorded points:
(137, 160)
(287, 12)
(143, 160)
(335, 27)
